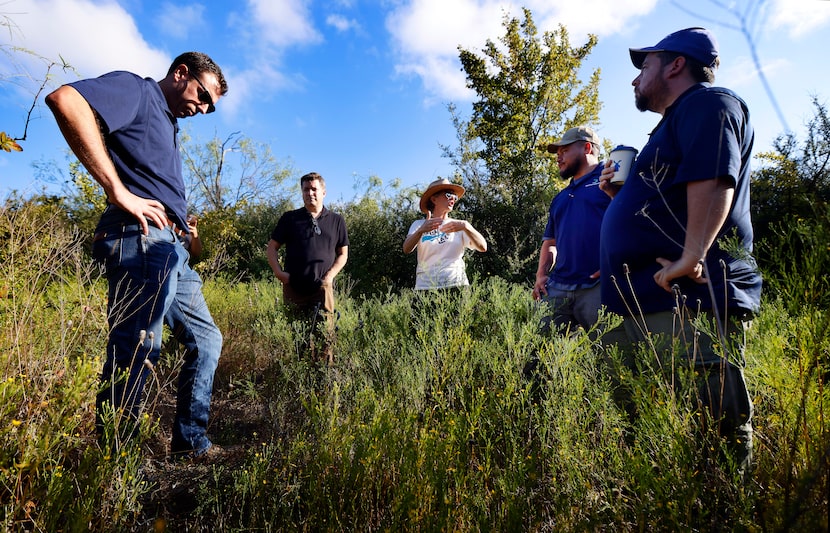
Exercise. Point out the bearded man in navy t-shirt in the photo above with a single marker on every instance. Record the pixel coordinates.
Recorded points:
(567, 276)
(676, 241)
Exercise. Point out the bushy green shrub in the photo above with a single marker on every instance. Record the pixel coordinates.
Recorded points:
(53, 475)
(795, 261)
(426, 422)
(377, 226)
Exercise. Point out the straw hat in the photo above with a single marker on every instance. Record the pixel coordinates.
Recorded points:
(437, 186)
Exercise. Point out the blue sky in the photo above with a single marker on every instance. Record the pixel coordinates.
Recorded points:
(359, 88)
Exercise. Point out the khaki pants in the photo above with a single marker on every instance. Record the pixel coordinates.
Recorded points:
(314, 308)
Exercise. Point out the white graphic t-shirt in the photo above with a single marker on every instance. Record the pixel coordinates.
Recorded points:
(440, 258)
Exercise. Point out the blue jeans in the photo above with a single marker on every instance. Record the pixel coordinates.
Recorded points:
(151, 283)
(570, 308)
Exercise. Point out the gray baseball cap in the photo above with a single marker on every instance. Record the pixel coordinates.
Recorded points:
(580, 133)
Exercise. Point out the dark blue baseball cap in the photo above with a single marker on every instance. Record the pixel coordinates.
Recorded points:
(697, 43)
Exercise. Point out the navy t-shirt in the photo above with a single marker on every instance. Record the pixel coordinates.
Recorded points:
(308, 256)
(140, 137)
(574, 221)
(705, 134)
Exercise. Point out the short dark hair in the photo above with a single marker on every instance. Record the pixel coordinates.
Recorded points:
(700, 72)
(312, 176)
(197, 62)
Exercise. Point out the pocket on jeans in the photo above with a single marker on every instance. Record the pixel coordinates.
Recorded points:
(119, 249)
(107, 250)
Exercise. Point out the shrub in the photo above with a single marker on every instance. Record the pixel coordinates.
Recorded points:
(427, 421)
(53, 475)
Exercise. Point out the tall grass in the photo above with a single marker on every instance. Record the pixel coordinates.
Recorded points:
(426, 422)
(53, 476)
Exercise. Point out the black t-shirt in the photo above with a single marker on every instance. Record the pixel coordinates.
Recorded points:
(309, 255)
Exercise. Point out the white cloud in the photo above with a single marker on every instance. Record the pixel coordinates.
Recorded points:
(264, 31)
(434, 28)
(341, 23)
(284, 22)
(427, 33)
(251, 85)
(606, 17)
(800, 17)
(177, 21)
(440, 77)
(92, 37)
(741, 72)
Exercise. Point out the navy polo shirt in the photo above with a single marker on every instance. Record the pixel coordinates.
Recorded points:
(308, 256)
(574, 221)
(703, 135)
(140, 137)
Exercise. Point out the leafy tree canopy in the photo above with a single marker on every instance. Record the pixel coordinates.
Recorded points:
(528, 93)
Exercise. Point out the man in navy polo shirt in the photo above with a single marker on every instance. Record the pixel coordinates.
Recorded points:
(571, 241)
(316, 250)
(123, 128)
(676, 241)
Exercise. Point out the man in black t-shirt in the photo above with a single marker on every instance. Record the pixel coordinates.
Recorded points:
(316, 249)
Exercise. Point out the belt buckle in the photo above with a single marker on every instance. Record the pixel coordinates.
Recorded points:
(176, 230)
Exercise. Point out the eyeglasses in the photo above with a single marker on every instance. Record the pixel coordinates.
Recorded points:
(204, 95)
(451, 196)
(316, 226)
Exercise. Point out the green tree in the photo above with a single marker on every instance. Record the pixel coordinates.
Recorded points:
(791, 215)
(234, 240)
(528, 93)
(793, 180)
(237, 188)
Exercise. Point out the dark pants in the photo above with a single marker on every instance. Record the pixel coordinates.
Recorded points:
(570, 309)
(676, 344)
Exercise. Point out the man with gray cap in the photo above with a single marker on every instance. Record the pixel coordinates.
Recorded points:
(567, 277)
(666, 265)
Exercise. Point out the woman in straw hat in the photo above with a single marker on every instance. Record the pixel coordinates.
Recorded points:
(441, 240)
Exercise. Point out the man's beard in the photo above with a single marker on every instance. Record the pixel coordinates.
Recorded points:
(568, 172)
(641, 101)
(645, 101)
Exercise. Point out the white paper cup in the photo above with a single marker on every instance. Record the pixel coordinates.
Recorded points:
(623, 159)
